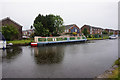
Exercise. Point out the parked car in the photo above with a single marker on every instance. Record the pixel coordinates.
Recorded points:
(112, 37)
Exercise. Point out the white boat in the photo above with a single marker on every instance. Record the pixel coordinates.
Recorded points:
(2, 44)
(2, 41)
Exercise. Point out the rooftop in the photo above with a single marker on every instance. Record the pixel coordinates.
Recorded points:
(8, 18)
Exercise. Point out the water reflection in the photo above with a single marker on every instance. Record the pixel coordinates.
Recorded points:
(11, 53)
(48, 55)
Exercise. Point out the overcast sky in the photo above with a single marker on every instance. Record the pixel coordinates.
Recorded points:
(99, 13)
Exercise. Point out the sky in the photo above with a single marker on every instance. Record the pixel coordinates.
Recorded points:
(98, 13)
(119, 15)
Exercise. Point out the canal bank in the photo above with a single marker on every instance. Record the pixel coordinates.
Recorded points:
(113, 72)
(27, 42)
(20, 42)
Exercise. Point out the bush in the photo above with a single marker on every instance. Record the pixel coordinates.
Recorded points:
(90, 36)
(10, 32)
(105, 32)
(96, 35)
(56, 34)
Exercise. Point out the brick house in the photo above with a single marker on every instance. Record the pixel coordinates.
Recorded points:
(72, 28)
(117, 32)
(91, 29)
(110, 31)
(8, 21)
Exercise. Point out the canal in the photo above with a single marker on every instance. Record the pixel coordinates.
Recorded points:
(83, 60)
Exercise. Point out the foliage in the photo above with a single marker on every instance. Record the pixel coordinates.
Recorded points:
(96, 35)
(94, 38)
(32, 35)
(106, 37)
(40, 30)
(100, 38)
(85, 32)
(115, 74)
(58, 24)
(111, 33)
(116, 71)
(10, 32)
(31, 27)
(104, 32)
(19, 41)
(74, 33)
(117, 62)
(56, 34)
(49, 24)
(68, 33)
(90, 36)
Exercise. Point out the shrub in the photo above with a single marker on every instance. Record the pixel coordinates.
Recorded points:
(96, 35)
(90, 36)
(10, 32)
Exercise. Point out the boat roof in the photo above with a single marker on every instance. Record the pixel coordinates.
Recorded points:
(1, 36)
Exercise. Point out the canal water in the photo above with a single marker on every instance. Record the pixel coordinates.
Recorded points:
(81, 60)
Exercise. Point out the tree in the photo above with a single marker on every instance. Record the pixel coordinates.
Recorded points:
(31, 27)
(85, 32)
(32, 35)
(105, 32)
(58, 24)
(40, 30)
(10, 32)
(50, 23)
(111, 33)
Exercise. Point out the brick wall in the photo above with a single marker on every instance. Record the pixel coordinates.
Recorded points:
(87, 27)
(8, 21)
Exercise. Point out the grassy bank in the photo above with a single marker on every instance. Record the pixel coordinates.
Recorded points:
(116, 71)
(19, 42)
(98, 38)
(113, 73)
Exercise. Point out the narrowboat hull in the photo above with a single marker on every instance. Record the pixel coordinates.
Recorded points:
(39, 41)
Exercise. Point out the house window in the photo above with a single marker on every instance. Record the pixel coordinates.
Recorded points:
(75, 30)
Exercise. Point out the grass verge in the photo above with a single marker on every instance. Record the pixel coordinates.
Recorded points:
(116, 71)
(19, 42)
(98, 38)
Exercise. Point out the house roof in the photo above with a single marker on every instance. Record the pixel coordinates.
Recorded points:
(69, 26)
(110, 29)
(93, 27)
(8, 18)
